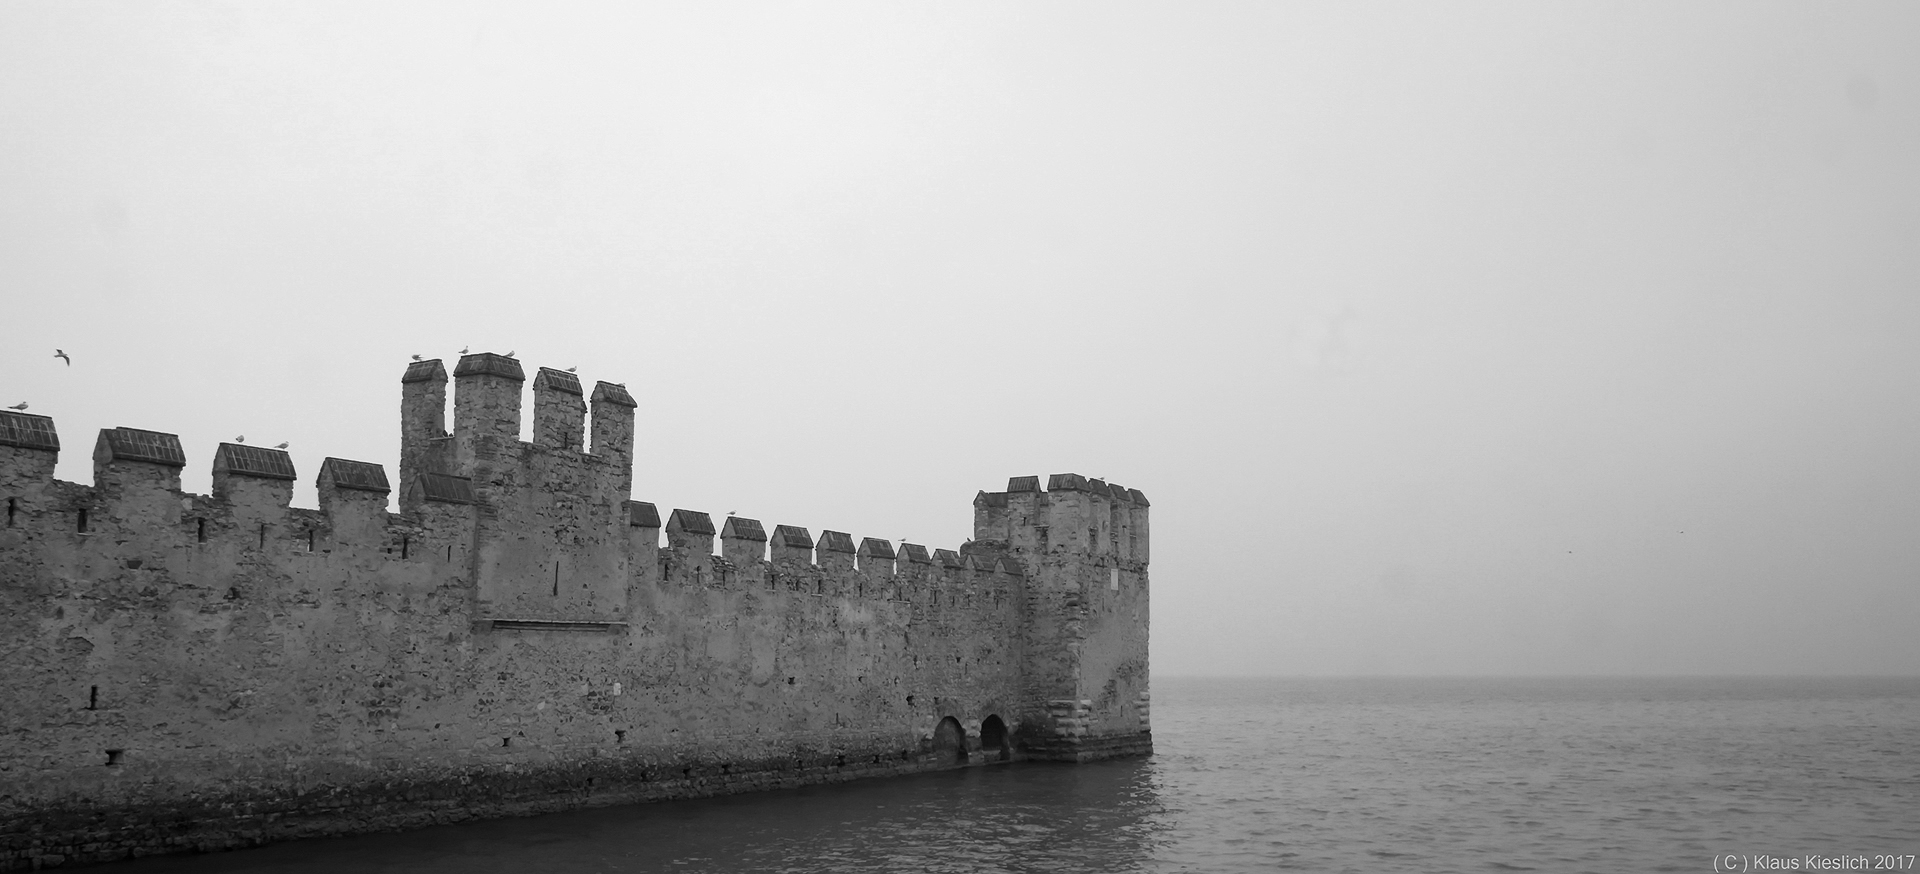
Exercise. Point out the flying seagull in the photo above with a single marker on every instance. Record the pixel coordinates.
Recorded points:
(283, 445)
(19, 406)
(416, 358)
(62, 355)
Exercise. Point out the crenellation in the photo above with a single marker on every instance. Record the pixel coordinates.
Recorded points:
(836, 551)
(559, 410)
(990, 517)
(486, 409)
(1099, 518)
(612, 411)
(425, 444)
(743, 541)
(517, 627)
(792, 546)
(136, 475)
(256, 484)
(875, 561)
(1026, 528)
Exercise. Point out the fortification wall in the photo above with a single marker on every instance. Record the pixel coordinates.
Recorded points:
(204, 671)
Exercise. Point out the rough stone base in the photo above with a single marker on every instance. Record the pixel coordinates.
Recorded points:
(1089, 749)
(78, 835)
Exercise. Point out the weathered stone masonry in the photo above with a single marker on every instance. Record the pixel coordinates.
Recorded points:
(184, 671)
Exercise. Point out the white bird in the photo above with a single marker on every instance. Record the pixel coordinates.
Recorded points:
(509, 353)
(283, 445)
(416, 358)
(19, 406)
(463, 350)
(572, 369)
(240, 439)
(62, 355)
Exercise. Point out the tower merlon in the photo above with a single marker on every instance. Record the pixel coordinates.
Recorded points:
(559, 410)
(642, 514)
(425, 445)
(643, 538)
(356, 476)
(353, 497)
(137, 473)
(28, 431)
(1067, 482)
(742, 540)
(29, 449)
(256, 481)
(691, 530)
(486, 407)
(254, 462)
(876, 556)
(835, 550)
(429, 370)
(611, 412)
(117, 445)
(792, 544)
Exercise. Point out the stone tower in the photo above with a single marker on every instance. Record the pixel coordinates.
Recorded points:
(1082, 545)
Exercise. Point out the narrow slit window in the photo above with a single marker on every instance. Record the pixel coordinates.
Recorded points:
(82, 522)
(93, 697)
(404, 543)
(200, 530)
(13, 506)
(263, 535)
(309, 540)
(556, 578)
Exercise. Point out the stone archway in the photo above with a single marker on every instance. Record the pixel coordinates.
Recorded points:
(994, 743)
(950, 742)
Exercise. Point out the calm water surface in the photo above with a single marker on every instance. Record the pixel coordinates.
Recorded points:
(1429, 775)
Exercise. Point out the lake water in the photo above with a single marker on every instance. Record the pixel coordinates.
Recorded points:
(1362, 775)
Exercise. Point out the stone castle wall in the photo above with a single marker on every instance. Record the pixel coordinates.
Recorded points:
(202, 671)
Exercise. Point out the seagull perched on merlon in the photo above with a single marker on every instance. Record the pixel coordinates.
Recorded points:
(463, 350)
(283, 445)
(509, 353)
(240, 439)
(19, 406)
(572, 369)
(62, 355)
(418, 358)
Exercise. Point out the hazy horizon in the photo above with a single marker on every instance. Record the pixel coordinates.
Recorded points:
(1469, 340)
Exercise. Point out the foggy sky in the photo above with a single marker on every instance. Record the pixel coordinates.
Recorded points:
(1445, 339)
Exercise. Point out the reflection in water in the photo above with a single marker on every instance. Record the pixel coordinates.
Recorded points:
(1098, 817)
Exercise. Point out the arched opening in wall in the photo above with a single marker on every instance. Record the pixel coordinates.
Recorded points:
(949, 742)
(993, 739)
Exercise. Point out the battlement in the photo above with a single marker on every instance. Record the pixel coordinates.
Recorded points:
(520, 613)
(1075, 514)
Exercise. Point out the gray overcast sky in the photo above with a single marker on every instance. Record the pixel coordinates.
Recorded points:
(1445, 338)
